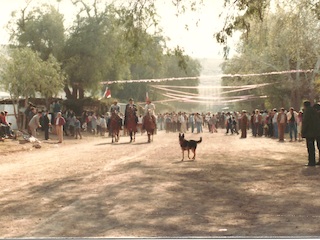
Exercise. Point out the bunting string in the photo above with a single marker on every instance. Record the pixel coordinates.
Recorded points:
(209, 76)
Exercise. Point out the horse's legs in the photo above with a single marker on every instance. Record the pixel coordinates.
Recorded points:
(148, 137)
(130, 136)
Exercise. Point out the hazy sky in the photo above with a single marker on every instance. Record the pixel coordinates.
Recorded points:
(197, 41)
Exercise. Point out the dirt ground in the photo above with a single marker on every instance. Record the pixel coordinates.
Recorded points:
(92, 188)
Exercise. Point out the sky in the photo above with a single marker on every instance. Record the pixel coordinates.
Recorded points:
(197, 41)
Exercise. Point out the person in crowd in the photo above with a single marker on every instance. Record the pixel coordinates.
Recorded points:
(317, 109)
(94, 122)
(244, 122)
(183, 122)
(213, 123)
(59, 122)
(45, 123)
(270, 124)
(228, 124)
(198, 120)
(257, 122)
(310, 130)
(174, 122)
(191, 122)
(160, 120)
(275, 123)
(77, 128)
(5, 125)
(299, 125)
(139, 125)
(103, 126)
(234, 126)
(292, 119)
(29, 112)
(34, 124)
(282, 121)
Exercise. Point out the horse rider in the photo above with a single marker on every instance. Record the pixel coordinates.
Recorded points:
(150, 107)
(115, 108)
(130, 107)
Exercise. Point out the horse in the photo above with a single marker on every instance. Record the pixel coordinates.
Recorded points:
(149, 124)
(115, 126)
(131, 124)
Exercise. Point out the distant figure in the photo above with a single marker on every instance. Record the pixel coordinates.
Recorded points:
(59, 122)
(34, 124)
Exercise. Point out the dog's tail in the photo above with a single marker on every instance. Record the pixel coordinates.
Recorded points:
(200, 140)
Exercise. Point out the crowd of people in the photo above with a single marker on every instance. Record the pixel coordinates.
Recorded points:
(272, 123)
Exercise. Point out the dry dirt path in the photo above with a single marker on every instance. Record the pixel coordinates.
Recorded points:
(236, 187)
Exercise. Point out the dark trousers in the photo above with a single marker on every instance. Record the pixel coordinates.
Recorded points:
(243, 131)
(311, 150)
(46, 133)
(281, 128)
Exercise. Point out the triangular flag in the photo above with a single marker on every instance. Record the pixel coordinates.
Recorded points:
(107, 93)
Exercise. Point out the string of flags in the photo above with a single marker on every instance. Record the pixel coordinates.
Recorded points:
(176, 95)
(194, 78)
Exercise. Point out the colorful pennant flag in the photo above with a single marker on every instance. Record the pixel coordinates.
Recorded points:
(107, 92)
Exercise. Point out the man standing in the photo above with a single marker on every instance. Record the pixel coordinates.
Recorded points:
(310, 130)
(244, 122)
(35, 123)
(275, 123)
(282, 121)
(46, 123)
(257, 121)
(292, 118)
(59, 122)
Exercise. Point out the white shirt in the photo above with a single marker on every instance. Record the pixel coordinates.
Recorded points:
(150, 107)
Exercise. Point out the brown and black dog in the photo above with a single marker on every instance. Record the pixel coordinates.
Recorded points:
(188, 145)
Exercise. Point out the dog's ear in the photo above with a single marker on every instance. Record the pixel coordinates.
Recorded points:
(179, 134)
(182, 135)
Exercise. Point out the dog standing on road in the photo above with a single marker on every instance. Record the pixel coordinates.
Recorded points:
(188, 145)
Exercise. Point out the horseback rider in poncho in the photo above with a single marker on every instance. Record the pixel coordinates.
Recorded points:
(115, 109)
(150, 109)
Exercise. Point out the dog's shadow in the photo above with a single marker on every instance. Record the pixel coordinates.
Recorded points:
(184, 161)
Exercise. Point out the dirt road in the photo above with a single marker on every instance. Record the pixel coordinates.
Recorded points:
(236, 187)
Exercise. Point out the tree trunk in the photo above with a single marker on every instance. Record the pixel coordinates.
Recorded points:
(67, 91)
(81, 93)
(75, 92)
(24, 122)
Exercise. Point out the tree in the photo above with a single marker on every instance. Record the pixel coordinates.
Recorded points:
(40, 29)
(24, 74)
(285, 41)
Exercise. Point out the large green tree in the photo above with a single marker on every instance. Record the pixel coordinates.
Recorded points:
(284, 41)
(25, 74)
(40, 29)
